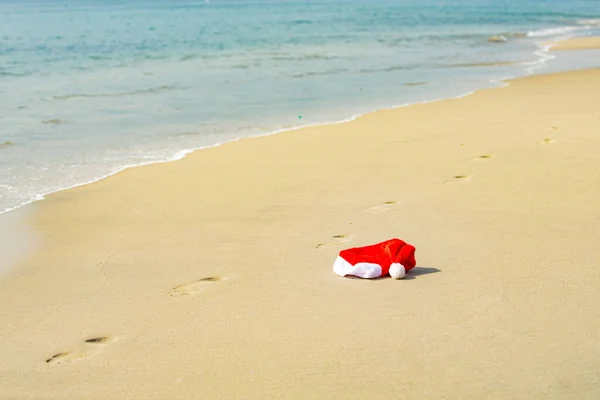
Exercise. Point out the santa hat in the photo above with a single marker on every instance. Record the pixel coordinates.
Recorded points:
(394, 257)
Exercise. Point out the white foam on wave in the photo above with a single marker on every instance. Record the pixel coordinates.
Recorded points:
(544, 56)
(175, 157)
(557, 31)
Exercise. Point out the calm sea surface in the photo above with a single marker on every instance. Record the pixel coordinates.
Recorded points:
(88, 88)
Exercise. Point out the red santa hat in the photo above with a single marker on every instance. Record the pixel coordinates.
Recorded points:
(394, 257)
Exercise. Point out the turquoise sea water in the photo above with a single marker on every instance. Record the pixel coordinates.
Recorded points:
(88, 87)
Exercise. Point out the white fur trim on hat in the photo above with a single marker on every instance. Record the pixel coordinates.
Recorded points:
(362, 270)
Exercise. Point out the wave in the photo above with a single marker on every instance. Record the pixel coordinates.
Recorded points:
(409, 67)
(483, 64)
(333, 71)
(391, 68)
(401, 41)
(291, 57)
(14, 74)
(406, 67)
(557, 31)
(156, 89)
(188, 57)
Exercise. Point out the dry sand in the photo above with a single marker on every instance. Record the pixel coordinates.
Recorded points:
(211, 277)
(581, 43)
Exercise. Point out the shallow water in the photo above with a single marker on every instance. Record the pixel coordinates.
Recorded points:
(88, 88)
(17, 238)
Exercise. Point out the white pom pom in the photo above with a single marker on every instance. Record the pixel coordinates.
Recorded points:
(397, 271)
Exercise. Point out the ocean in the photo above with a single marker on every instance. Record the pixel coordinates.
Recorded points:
(90, 87)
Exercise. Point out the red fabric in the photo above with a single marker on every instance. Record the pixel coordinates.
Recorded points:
(384, 253)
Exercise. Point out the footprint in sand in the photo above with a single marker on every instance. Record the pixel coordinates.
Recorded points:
(459, 179)
(90, 347)
(381, 207)
(57, 358)
(339, 240)
(98, 340)
(194, 287)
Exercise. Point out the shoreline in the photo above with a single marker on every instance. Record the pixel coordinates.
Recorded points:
(543, 55)
(182, 154)
(213, 274)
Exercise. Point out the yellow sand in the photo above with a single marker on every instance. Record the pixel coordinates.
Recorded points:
(581, 43)
(499, 192)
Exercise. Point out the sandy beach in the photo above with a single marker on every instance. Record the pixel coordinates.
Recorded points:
(580, 43)
(210, 277)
